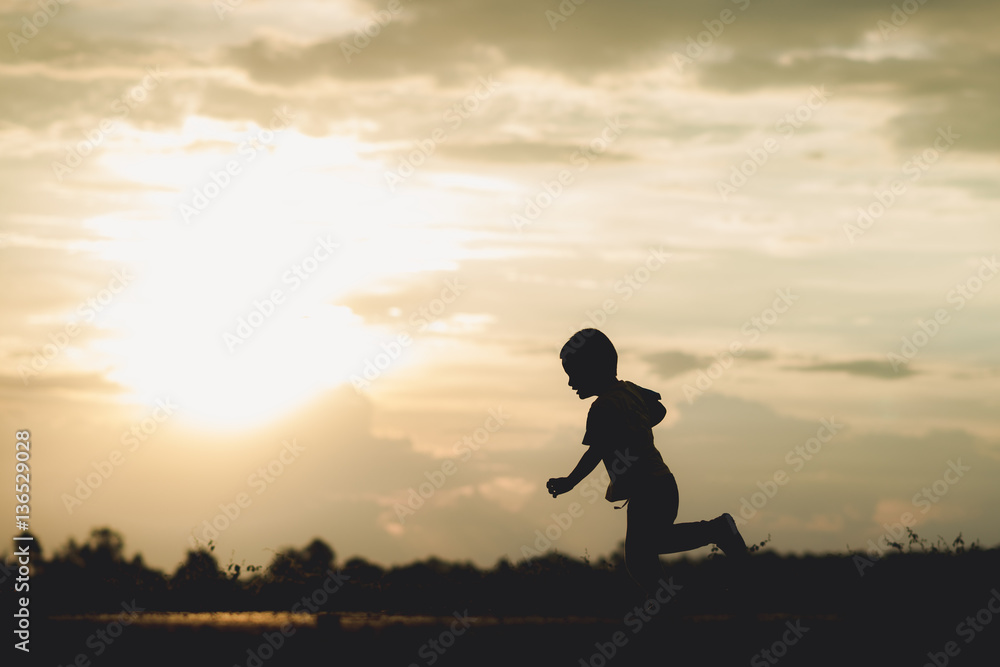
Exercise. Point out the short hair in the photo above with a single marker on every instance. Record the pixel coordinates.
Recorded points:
(593, 349)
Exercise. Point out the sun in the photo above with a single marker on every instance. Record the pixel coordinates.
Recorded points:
(311, 348)
(235, 331)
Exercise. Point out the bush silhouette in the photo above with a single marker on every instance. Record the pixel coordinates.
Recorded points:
(98, 576)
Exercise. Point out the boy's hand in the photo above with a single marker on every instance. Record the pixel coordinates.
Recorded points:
(559, 485)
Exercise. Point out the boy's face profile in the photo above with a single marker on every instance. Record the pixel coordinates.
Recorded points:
(581, 378)
(590, 361)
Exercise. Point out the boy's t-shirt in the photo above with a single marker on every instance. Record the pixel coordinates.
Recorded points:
(620, 425)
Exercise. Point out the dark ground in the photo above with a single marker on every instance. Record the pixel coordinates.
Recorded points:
(368, 639)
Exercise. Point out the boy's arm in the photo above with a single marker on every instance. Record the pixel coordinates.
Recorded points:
(588, 462)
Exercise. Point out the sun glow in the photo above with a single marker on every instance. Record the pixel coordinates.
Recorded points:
(235, 310)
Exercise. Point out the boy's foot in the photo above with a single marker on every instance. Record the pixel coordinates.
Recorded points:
(730, 540)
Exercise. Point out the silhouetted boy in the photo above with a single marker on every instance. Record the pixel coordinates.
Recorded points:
(619, 432)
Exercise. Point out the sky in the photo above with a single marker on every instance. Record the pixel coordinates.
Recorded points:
(284, 270)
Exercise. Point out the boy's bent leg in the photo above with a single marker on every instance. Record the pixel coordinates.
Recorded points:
(685, 537)
(721, 531)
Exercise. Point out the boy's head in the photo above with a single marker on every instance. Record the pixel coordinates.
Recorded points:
(590, 361)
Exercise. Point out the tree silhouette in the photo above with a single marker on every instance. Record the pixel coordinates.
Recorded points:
(296, 566)
(199, 567)
(199, 584)
(96, 575)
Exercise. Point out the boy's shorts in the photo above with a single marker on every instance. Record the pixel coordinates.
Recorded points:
(656, 504)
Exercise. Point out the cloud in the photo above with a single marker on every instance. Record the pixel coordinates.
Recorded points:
(823, 523)
(863, 367)
(510, 493)
(672, 363)
(532, 152)
(49, 382)
(403, 303)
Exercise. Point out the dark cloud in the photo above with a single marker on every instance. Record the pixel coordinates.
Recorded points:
(864, 367)
(451, 36)
(940, 62)
(952, 90)
(672, 363)
(532, 152)
(952, 82)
